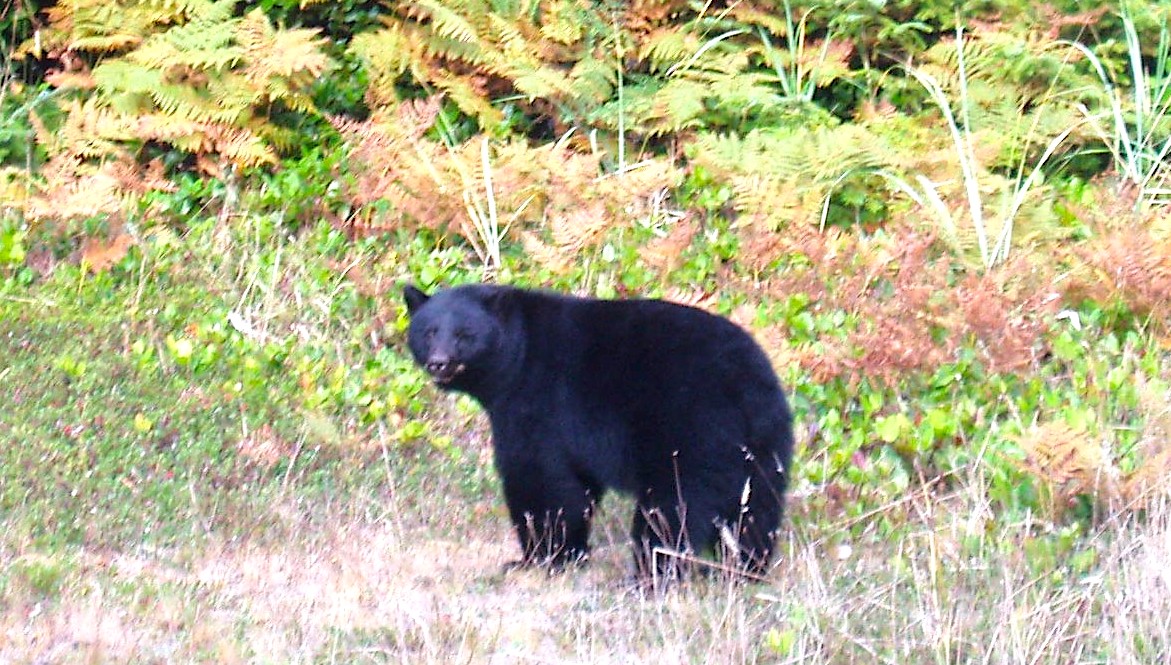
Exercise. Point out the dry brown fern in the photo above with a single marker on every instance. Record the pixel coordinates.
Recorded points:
(1068, 461)
(546, 255)
(99, 254)
(1132, 265)
(74, 189)
(1008, 312)
(89, 174)
(391, 163)
(704, 300)
(902, 288)
(1150, 482)
(554, 198)
(664, 253)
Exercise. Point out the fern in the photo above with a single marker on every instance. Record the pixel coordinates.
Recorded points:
(212, 29)
(125, 78)
(445, 22)
(243, 147)
(193, 75)
(292, 57)
(772, 19)
(784, 175)
(564, 24)
(592, 80)
(653, 68)
(106, 27)
(675, 106)
(664, 48)
(388, 57)
(467, 47)
(161, 53)
(742, 94)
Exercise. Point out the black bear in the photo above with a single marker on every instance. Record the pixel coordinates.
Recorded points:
(676, 406)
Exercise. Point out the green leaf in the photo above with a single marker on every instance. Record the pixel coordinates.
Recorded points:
(181, 348)
(890, 428)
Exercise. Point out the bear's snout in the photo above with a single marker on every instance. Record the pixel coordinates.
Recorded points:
(442, 369)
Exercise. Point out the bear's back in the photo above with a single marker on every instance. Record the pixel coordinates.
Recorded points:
(659, 336)
(642, 352)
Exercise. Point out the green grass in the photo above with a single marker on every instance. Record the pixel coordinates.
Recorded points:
(139, 411)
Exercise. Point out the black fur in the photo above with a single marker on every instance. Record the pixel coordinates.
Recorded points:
(676, 406)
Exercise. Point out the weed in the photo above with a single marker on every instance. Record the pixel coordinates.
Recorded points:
(926, 194)
(1137, 134)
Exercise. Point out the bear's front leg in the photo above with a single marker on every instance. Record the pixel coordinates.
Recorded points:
(551, 512)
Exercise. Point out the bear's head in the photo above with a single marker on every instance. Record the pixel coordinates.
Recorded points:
(460, 337)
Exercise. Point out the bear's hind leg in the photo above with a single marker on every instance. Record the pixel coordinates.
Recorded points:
(661, 532)
(759, 519)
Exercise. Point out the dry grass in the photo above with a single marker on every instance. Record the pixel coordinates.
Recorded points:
(379, 586)
(364, 592)
(937, 596)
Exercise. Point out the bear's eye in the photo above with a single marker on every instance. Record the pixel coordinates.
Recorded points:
(463, 336)
(429, 334)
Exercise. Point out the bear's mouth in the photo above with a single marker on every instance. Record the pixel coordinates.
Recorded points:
(446, 374)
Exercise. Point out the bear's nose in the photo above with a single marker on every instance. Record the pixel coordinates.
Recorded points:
(438, 365)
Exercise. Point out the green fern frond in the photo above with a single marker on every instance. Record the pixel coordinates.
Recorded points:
(636, 109)
(745, 93)
(754, 154)
(677, 105)
(161, 52)
(221, 103)
(542, 82)
(297, 101)
(427, 43)
(105, 27)
(122, 75)
(772, 20)
(665, 48)
(563, 24)
(282, 139)
(213, 11)
(204, 33)
(444, 22)
(465, 96)
(196, 143)
(507, 34)
(820, 155)
(385, 51)
(593, 80)
(171, 10)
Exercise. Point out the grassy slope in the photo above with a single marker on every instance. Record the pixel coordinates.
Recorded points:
(237, 504)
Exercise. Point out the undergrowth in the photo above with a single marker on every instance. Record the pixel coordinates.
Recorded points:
(238, 397)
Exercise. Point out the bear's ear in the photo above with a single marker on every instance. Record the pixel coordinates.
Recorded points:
(499, 301)
(414, 298)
